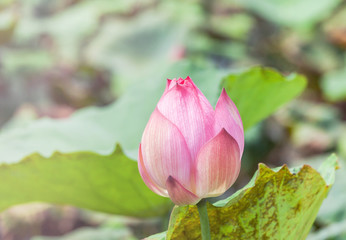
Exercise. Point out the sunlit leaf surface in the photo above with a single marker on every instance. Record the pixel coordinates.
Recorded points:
(292, 12)
(276, 204)
(108, 183)
(96, 130)
(258, 92)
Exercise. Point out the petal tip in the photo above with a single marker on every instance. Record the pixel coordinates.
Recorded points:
(179, 194)
(224, 93)
(168, 84)
(224, 131)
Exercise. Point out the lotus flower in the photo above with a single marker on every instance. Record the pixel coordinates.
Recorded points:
(190, 151)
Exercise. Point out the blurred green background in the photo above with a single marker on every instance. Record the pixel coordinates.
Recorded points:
(57, 57)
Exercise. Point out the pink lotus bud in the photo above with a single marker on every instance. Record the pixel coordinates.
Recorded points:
(190, 151)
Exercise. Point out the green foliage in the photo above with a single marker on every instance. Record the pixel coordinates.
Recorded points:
(109, 183)
(336, 231)
(334, 85)
(276, 204)
(342, 144)
(159, 236)
(93, 234)
(113, 180)
(332, 213)
(292, 12)
(98, 129)
(70, 27)
(258, 92)
(58, 56)
(334, 208)
(15, 61)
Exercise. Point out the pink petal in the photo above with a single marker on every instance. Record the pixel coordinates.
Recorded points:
(165, 152)
(146, 177)
(204, 103)
(227, 116)
(179, 194)
(168, 84)
(185, 106)
(217, 165)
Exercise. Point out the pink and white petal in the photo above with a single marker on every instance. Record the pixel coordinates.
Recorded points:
(182, 106)
(146, 177)
(206, 107)
(165, 151)
(203, 101)
(169, 84)
(218, 165)
(180, 195)
(228, 117)
(205, 104)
